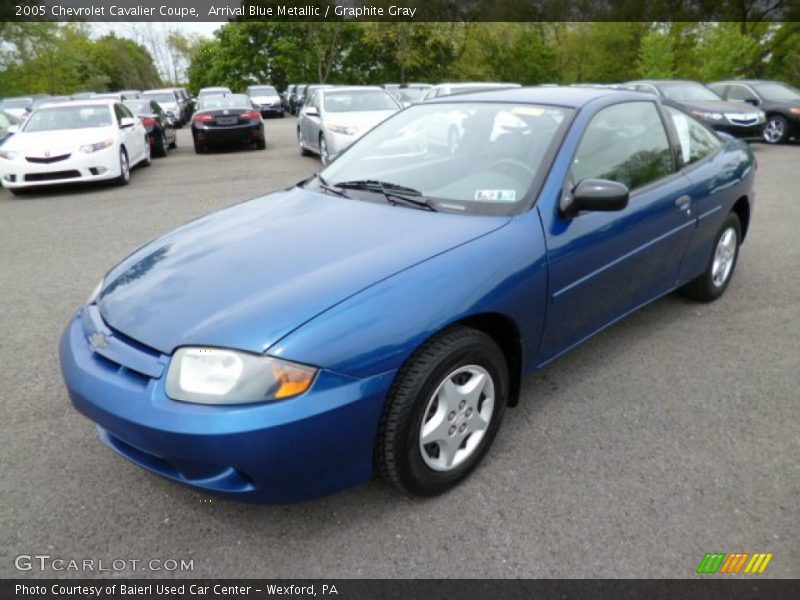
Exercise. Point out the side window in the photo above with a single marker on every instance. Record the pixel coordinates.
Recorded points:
(625, 143)
(721, 90)
(118, 113)
(125, 111)
(156, 108)
(696, 142)
(739, 93)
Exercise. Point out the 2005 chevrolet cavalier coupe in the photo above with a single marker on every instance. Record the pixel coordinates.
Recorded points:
(378, 317)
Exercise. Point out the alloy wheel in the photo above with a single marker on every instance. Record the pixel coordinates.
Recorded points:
(774, 130)
(724, 256)
(456, 418)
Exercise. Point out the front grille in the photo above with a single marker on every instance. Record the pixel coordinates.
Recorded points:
(738, 119)
(52, 176)
(47, 160)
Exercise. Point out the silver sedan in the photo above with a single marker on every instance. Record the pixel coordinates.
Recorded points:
(333, 118)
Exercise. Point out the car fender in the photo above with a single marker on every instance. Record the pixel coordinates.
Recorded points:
(375, 331)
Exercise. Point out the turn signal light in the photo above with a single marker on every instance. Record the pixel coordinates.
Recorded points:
(251, 115)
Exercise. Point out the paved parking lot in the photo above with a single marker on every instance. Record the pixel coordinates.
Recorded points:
(674, 433)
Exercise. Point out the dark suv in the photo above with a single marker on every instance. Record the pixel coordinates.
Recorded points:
(779, 101)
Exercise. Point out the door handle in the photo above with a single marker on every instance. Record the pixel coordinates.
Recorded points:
(683, 202)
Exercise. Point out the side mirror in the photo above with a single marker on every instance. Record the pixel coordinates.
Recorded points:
(171, 115)
(311, 111)
(753, 101)
(126, 122)
(596, 195)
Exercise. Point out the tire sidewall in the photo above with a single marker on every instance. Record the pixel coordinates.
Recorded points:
(417, 476)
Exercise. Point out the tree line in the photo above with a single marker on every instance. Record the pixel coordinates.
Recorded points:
(59, 58)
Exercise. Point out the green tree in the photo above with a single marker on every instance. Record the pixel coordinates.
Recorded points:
(656, 56)
(724, 52)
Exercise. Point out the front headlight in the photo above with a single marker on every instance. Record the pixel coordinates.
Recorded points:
(89, 148)
(8, 154)
(345, 129)
(711, 116)
(220, 376)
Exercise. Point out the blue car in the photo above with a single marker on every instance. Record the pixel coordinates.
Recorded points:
(379, 316)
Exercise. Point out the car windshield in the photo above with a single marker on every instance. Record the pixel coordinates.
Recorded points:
(778, 91)
(686, 92)
(223, 101)
(15, 102)
(161, 96)
(6, 120)
(69, 117)
(355, 101)
(263, 90)
(469, 157)
(139, 108)
(209, 91)
(411, 94)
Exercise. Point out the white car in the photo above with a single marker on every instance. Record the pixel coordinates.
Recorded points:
(267, 98)
(73, 142)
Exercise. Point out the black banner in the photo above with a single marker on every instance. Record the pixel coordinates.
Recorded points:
(400, 10)
(705, 588)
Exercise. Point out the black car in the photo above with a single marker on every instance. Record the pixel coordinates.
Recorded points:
(293, 92)
(729, 117)
(779, 101)
(159, 125)
(227, 119)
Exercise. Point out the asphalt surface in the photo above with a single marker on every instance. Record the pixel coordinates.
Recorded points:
(672, 434)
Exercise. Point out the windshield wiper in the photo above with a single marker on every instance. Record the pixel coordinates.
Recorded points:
(327, 187)
(394, 193)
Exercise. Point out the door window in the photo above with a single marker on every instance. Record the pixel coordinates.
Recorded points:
(740, 93)
(695, 140)
(626, 143)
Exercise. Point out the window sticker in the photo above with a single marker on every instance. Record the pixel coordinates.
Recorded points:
(496, 195)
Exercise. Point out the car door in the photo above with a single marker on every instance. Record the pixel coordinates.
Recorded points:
(310, 122)
(135, 137)
(603, 265)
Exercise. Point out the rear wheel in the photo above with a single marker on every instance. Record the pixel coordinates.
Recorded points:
(161, 146)
(443, 412)
(199, 148)
(713, 282)
(261, 144)
(174, 143)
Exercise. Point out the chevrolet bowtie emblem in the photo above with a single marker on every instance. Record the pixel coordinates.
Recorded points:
(98, 340)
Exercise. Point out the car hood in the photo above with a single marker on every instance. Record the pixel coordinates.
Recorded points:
(247, 276)
(364, 120)
(721, 106)
(59, 142)
(265, 99)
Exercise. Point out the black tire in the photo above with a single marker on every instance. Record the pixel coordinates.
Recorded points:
(199, 148)
(148, 154)
(398, 453)
(174, 143)
(704, 288)
(776, 130)
(125, 175)
(261, 145)
(161, 147)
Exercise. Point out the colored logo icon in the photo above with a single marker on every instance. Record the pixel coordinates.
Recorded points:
(734, 563)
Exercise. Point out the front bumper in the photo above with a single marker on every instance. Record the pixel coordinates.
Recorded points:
(271, 110)
(79, 167)
(741, 132)
(277, 452)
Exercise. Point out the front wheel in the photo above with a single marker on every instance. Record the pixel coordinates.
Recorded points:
(161, 150)
(443, 412)
(124, 177)
(776, 130)
(715, 279)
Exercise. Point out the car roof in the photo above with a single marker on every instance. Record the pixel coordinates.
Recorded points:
(159, 91)
(86, 102)
(661, 81)
(746, 81)
(352, 88)
(569, 97)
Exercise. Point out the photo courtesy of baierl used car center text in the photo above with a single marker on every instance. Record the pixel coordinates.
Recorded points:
(419, 300)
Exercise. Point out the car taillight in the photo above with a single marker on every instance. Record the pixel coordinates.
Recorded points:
(202, 118)
(148, 121)
(251, 115)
